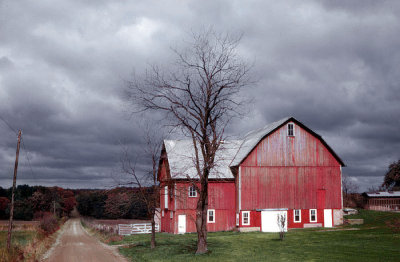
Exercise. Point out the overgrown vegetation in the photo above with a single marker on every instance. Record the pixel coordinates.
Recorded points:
(372, 241)
(28, 243)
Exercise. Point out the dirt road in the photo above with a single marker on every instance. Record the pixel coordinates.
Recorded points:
(74, 244)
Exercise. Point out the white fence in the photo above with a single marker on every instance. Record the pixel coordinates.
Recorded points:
(129, 229)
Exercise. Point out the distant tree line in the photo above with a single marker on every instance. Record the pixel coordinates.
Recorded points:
(111, 204)
(31, 202)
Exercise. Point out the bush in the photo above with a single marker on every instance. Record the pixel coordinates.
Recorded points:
(14, 254)
(48, 223)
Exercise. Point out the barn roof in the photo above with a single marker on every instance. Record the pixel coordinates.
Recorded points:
(252, 139)
(384, 194)
(180, 154)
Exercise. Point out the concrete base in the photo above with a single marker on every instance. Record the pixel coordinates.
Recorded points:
(355, 221)
(249, 229)
(312, 225)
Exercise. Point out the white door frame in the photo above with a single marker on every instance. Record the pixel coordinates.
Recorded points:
(181, 224)
(328, 218)
(269, 221)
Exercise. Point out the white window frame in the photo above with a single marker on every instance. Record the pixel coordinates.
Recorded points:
(162, 213)
(288, 129)
(208, 216)
(316, 219)
(192, 189)
(248, 218)
(171, 214)
(294, 215)
(166, 197)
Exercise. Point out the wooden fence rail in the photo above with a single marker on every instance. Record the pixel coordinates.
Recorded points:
(129, 229)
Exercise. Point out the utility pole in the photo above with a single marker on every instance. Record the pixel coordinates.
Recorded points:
(13, 190)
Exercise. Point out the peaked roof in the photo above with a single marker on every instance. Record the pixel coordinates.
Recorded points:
(181, 159)
(180, 153)
(252, 139)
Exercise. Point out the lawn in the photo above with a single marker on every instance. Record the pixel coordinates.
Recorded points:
(373, 241)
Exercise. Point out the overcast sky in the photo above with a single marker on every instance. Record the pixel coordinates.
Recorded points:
(334, 65)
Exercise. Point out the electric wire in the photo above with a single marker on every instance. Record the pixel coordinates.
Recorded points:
(26, 151)
(8, 125)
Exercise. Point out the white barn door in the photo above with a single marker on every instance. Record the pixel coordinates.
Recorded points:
(269, 220)
(327, 217)
(181, 224)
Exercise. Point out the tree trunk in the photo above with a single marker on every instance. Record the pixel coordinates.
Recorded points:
(201, 218)
(153, 231)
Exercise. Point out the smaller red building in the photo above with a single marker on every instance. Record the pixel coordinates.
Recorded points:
(282, 169)
(383, 201)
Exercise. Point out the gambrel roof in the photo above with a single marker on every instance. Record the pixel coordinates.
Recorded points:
(252, 139)
(181, 160)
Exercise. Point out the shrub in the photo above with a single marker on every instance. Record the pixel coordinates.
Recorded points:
(48, 223)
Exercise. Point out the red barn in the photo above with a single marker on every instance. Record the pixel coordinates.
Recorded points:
(284, 168)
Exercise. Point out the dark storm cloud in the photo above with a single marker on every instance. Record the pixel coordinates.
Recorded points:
(334, 65)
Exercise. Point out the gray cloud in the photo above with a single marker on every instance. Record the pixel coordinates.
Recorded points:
(334, 65)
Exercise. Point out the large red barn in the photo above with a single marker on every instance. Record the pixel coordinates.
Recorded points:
(284, 168)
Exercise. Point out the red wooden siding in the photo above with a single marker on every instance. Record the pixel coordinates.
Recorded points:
(278, 149)
(221, 195)
(288, 172)
(221, 198)
(293, 188)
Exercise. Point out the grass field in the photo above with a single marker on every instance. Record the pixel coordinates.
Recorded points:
(372, 241)
(20, 238)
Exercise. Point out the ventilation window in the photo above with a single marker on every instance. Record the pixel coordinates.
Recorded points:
(192, 191)
(290, 129)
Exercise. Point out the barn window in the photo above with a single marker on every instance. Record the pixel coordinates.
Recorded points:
(290, 129)
(192, 191)
(166, 197)
(297, 215)
(171, 214)
(313, 215)
(211, 216)
(246, 218)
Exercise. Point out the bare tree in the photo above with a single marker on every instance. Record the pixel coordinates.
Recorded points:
(350, 189)
(199, 94)
(147, 182)
(281, 220)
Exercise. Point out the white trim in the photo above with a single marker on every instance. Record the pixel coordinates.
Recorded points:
(208, 215)
(316, 218)
(237, 219)
(240, 189)
(195, 191)
(287, 126)
(162, 213)
(248, 218)
(171, 214)
(175, 197)
(341, 186)
(166, 197)
(294, 215)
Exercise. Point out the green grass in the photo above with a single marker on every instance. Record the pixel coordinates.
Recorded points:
(373, 241)
(20, 238)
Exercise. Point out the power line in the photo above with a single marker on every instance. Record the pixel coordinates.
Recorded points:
(8, 125)
(26, 151)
